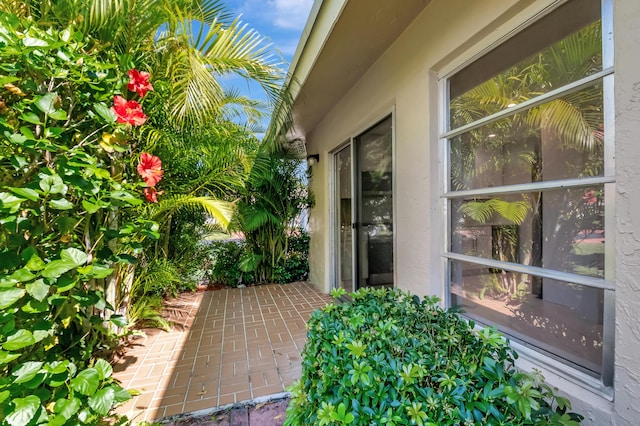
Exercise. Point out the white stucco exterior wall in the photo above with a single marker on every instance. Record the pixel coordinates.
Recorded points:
(404, 82)
(627, 131)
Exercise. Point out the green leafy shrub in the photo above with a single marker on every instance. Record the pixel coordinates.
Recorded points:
(296, 262)
(389, 358)
(226, 257)
(233, 263)
(269, 211)
(66, 187)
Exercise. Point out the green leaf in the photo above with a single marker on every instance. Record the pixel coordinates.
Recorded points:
(151, 234)
(56, 268)
(27, 193)
(18, 161)
(103, 368)
(102, 401)
(45, 103)
(95, 271)
(59, 115)
(35, 263)
(39, 335)
(75, 256)
(65, 284)
(38, 289)
(34, 307)
(102, 173)
(31, 117)
(22, 275)
(25, 410)
(121, 394)
(9, 296)
(4, 395)
(61, 204)
(67, 408)
(90, 207)
(10, 202)
(119, 320)
(105, 112)
(29, 41)
(51, 184)
(86, 382)
(27, 371)
(65, 35)
(126, 196)
(18, 340)
(7, 79)
(26, 132)
(7, 357)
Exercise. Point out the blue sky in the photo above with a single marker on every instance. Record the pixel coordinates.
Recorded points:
(281, 21)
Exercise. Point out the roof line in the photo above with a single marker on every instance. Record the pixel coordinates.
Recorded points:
(320, 26)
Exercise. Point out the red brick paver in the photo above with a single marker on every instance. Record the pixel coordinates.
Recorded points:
(225, 346)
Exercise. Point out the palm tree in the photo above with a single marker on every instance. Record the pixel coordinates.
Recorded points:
(273, 200)
(189, 44)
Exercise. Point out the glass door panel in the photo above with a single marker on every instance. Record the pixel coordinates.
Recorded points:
(344, 231)
(375, 206)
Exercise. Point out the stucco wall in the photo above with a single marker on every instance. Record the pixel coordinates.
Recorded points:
(404, 80)
(627, 131)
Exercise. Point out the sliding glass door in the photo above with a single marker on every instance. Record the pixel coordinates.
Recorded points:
(364, 219)
(343, 185)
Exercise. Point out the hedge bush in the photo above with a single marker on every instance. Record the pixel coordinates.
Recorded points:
(389, 358)
(226, 259)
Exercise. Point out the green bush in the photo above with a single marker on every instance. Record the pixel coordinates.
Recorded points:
(226, 259)
(296, 262)
(229, 261)
(389, 358)
(66, 227)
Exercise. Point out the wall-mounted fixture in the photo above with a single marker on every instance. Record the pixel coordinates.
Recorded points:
(313, 159)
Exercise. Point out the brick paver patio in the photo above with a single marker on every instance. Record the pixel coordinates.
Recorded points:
(224, 347)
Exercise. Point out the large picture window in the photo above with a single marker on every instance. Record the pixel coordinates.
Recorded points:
(530, 175)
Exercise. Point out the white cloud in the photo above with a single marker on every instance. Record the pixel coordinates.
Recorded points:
(281, 21)
(290, 14)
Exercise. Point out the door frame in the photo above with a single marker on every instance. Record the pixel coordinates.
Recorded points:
(334, 250)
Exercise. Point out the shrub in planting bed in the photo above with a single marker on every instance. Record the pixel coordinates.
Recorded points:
(388, 357)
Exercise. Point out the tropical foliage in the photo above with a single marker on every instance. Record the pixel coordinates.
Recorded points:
(268, 213)
(115, 134)
(387, 357)
(63, 189)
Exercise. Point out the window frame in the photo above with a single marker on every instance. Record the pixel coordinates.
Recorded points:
(604, 383)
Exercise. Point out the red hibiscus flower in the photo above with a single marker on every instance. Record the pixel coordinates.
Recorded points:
(128, 112)
(150, 168)
(139, 82)
(151, 195)
(590, 197)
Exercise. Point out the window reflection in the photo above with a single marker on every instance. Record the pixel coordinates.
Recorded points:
(552, 57)
(565, 319)
(552, 144)
(561, 139)
(561, 229)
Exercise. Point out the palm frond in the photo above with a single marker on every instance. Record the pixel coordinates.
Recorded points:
(514, 211)
(219, 210)
(281, 119)
(566, 120)
(239, 50)
(480, 211)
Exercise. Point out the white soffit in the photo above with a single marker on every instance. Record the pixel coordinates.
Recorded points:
(340, 42)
